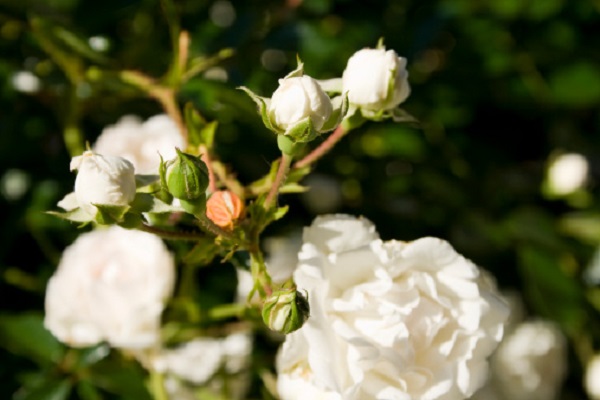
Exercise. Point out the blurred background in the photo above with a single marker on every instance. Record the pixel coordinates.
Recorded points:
(504, 163)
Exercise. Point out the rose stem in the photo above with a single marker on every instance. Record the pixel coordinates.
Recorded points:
(284, 167)
(323, 148)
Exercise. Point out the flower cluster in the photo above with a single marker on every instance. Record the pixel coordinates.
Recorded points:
(363, 318)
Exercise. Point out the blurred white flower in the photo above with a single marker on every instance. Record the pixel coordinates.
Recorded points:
(567, 173)
(376, 79)
(530, 363)
(106, 180)
(111, 285)
(197, 362)
(26, 82)
(592, 378)
(296, 99)
(141, 142)
(389, 320)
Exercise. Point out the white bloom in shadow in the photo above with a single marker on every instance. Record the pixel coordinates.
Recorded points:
(111, 285)
(141, 142)
(388, 320)
(592, 378)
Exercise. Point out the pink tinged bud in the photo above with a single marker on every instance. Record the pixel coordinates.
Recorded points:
(224, 208)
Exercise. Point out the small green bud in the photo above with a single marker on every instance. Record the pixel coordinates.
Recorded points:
(186, 177)
(285, 311)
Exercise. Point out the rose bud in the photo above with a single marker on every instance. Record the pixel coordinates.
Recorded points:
(185, 177)
(376, 80)
(102, 180)
(224, 208)
(285, 311)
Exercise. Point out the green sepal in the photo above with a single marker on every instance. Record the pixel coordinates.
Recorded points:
(262, 217)
(380, 44)
(109, 214)
(298, 72)
(263, 105)
(186, 177)
(340, 109)
(287, 145)
(200, 132)
(302, 132)
(196, 207)
(75, 215)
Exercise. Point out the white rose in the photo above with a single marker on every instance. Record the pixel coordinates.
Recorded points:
(296, 99)
(141, 143)
(592, 378)
(102, 179)
(530, 363)
(389, 320)
(376, 79)
(111, 285)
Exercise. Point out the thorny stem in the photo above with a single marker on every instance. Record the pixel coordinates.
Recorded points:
(323, 148)
(171, 235)
(284, 167)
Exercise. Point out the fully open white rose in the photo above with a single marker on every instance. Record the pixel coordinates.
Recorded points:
(141, 142)
(111, 285)
(389, 320)
(296, 99)
(376, 79)
(106, 180)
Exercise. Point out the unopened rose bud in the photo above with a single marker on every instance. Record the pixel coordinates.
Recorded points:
(102, 180)
(285, 311)
(296, 99)
(224, 208)
(185, 177)
(376, 79)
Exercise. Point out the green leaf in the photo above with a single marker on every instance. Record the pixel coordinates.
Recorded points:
(120, 377)
(87, 391)
(552, 293)
(76, 215)
(200, 132)
(25, 334)
(47, 389)
(303, 131)
(576, 85)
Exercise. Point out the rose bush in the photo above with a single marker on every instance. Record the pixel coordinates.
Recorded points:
(111, 285)
(389, 320)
